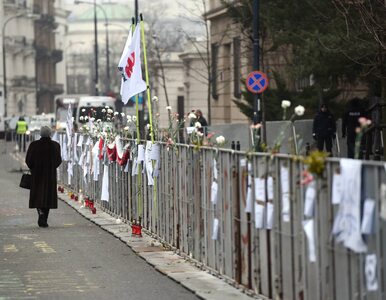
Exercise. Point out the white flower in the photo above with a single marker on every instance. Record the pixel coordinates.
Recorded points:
(85, 118)
(72, 119)
(197, 125)
(220, 140)
(116, 113)
(103, 110)
(92, 119)
(107, 107)
(110, 111)
(299, 110)
(129, 118)
(168, 107)
(155, 98)
(108, 119)
(148, 126)
(83, 110)
(122, 114)
(285, 103)
(134, 118)
(192, 116)
(81, 118)
(126, 128)
(200, 133)
(99, 120)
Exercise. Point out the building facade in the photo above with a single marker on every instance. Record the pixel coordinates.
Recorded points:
(29, 57)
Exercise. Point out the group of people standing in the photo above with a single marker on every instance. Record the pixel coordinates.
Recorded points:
(324, 127)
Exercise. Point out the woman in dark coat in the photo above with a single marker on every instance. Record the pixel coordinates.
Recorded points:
(324, 129)
(43, 157)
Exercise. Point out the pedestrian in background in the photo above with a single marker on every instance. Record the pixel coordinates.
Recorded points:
(353, 112)
(43, 157)
(21, 130)
(324, 129)
(200, 119)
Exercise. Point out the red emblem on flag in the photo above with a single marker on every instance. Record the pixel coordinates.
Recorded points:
(130, 64)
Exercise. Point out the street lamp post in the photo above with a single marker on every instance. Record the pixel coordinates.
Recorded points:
(108, 79)
(4, 61)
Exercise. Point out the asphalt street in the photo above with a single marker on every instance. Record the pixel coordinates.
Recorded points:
(72, 259)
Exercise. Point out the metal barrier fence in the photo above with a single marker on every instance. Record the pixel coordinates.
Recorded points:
(181, 210)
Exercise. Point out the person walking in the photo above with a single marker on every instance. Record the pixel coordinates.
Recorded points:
(350, 122)
(43, 157)
(21, 130)
(324, 129)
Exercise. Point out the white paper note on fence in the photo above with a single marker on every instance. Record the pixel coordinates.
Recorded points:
(134, 170)
(214, 191)
(269, 214)
(189, 130)
(141, 153)
(383, 201)
(259, 215)
(308, 226)
(155, 152)
(215, 229)
(336, 189)
(248, 207)
(260, 189)
(105, 184)
(270, 187)
(309, 201)
(368, 216)
(80, 141)
(285, 200)
(371, 272)
(214, 168)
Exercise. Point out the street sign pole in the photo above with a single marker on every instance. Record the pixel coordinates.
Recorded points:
(256, 67)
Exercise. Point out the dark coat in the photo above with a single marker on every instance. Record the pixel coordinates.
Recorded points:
(43, 157)
(324, 124)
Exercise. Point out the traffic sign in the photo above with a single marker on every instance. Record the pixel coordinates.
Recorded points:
(257, 82)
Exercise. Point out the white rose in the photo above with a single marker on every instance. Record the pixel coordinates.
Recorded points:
(192, 116)
(107, 107)
(155, 98)
(299, 110)
(110, 111)
(103, 110)
(220, 140)
(168, 107)
(99, 120)
(83, 110)
(126, 128)
(134, 118)
(128, 118)
(86, 118)
(81, 118)
(199, 133)
(122, 114)
(197, 125)
(92, 119)
(148, 126)
(116, 113)
(285, 103)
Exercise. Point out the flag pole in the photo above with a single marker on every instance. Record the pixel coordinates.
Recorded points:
(139, 178)
(147, 80)
(155, 211)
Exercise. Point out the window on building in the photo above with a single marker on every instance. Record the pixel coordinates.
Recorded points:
(214, 71)
(304, 82)
(236, 68)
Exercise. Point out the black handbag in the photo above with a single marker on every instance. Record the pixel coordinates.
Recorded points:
(26, 180)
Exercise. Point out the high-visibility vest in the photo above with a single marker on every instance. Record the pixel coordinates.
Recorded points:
(21, 127)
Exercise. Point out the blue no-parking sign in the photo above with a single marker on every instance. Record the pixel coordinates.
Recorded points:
(257, 82)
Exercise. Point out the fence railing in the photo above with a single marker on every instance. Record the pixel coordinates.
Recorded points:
(182, 209)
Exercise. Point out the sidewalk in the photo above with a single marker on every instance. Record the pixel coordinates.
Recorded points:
(203, 284)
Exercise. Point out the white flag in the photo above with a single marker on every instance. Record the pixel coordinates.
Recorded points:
(69, 125)
(130, 67)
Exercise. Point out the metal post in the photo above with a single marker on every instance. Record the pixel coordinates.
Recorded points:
(96, 50)
(136, 11)
(107, 57)
(256, 58)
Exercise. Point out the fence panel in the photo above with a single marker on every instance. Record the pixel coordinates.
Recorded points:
(182, 211)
